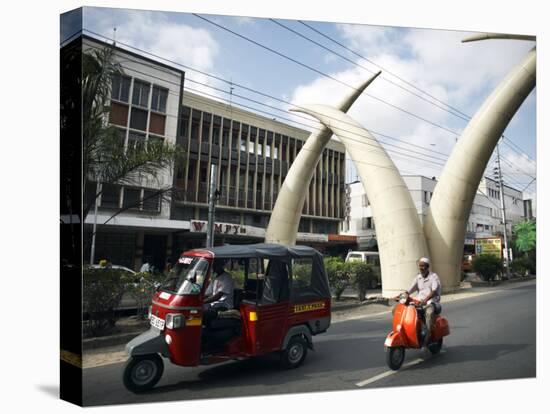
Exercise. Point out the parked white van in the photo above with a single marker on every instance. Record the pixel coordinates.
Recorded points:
(371, 258)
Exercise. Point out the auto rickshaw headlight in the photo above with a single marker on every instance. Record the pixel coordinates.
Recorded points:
(175, 320)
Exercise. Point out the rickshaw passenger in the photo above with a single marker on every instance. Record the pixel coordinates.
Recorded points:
(222, 292)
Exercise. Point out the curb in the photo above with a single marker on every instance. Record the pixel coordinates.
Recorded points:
(502, 282)
(111, 340)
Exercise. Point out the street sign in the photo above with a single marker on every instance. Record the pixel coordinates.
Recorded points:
(489, 245)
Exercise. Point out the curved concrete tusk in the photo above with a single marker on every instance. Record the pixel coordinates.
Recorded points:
(485, 36)
(287, 211)
(445, 225)
(399, 231)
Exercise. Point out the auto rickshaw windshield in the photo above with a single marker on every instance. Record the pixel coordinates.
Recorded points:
(187, 277)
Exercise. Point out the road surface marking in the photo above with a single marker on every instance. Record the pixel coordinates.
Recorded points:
(391, 372)
(388, 373)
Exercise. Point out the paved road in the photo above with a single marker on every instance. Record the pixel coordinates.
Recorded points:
(492, 337)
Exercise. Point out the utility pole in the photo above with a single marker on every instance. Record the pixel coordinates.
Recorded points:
(213, 197)
(498, 172)
(94, 228)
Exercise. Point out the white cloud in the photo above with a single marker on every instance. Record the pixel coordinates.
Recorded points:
(154, 32)
(437, 62)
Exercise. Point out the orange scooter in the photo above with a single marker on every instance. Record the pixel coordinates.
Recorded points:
(409, 331)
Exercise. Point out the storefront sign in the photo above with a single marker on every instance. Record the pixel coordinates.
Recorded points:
(489, 246)
(342, 237)
(198, 226)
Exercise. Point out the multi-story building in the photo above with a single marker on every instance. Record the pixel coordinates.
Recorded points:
(253, 154)
(485, 216)
(145, 103)
(158, 218)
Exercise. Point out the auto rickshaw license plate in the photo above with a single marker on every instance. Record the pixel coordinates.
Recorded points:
(157, 322)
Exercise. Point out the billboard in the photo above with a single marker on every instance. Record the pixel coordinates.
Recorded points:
(489, 245)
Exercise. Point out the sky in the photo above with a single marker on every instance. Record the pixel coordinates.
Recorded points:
(427, 75)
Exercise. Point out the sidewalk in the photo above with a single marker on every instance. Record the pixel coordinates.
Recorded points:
(110, 349)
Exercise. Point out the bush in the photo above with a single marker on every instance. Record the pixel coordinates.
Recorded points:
(487, 266)
(523, 266)
(102, 291)
(141, 287)
(338, 278)
(362, 278)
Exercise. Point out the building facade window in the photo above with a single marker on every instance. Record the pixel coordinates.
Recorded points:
(120, 88)
(140, 95)
(110, 195)
(151, 200)
(138, 119)
(159, 98)
(118, 114)
(131, 198)
(157, 123)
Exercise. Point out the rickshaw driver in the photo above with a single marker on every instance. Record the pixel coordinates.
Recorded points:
(222, 292)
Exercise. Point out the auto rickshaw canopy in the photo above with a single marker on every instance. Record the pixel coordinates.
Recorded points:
(308, 280)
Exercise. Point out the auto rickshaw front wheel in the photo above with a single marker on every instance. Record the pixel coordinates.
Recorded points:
(142, 372)
(295, 352)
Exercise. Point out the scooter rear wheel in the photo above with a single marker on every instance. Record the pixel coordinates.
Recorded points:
(435, 347)
(142, 372)
(395, 357)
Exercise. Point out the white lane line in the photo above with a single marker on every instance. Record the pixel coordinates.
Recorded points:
(369, 316)
(391, 372)
(388, 373)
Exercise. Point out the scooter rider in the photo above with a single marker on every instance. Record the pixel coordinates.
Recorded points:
(428, 286)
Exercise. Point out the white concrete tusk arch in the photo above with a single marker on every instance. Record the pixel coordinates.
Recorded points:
(287, 211)
(446, 221)
(398, 229)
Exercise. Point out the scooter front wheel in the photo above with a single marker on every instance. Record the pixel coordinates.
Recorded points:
(395, 357)
(142, 372)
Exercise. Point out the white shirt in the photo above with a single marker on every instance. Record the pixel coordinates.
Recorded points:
(223, 283)
(425, 285)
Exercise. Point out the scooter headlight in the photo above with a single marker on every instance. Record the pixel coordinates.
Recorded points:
(175, 320)
(150, 312)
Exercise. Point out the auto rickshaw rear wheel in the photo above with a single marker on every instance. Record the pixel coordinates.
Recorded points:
(295, 352)
(142, 372)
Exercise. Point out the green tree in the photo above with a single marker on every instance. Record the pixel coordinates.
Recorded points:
(525, 236)
(105, 159)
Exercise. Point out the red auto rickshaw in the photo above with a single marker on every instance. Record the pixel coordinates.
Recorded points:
(282, 302)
